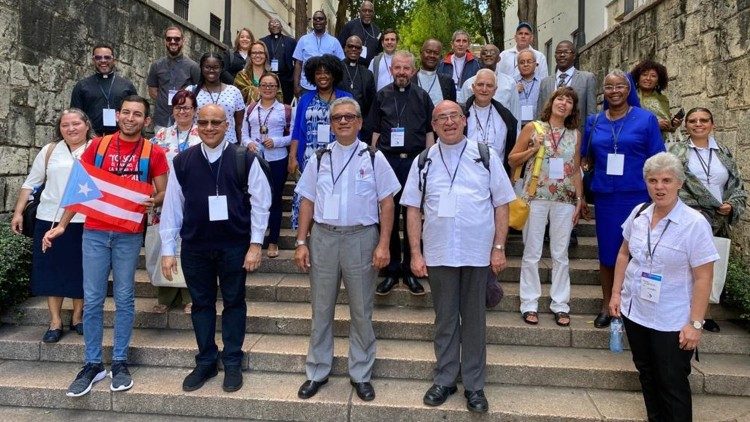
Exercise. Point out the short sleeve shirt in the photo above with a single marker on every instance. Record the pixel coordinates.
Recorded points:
(170, 74)
(310, 45)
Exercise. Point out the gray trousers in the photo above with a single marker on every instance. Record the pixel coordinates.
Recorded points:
(458, 296)
(336, 253)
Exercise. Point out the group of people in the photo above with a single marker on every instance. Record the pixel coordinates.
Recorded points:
(378, 143)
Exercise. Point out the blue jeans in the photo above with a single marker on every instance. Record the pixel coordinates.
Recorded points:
(104, 251)
(201, 268)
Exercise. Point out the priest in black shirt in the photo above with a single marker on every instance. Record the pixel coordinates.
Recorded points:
(366, 30)
(280, 50)
(357, 78)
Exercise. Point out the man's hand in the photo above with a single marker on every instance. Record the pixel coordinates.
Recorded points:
(418, 266)
(168, 266)
(614, 304)
(302, 258)
(498, 261)
(16, 224)
(51, 235)
(252, 147)
(381, 256)
(690, 337)
(149, 202)
(252, 258)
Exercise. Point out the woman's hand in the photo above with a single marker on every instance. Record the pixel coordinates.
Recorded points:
(16, 224)
(665, 124)
(724, 209)
(585, 210)
(293, 165)
(676, 122)
(51, 235)
(579, 210)
(252, 146)
(268, 143)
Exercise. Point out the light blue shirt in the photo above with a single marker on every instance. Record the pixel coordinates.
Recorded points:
(529, 96)
(311, 45)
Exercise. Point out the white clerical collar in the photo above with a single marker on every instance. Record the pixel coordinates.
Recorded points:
(221, 147)
(449, 147)
(427, 72)
(347, 147)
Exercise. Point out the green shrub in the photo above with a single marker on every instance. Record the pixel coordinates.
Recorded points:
(737, 287)
(15, 268)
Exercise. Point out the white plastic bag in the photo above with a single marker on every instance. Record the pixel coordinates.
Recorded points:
(153, 260)
(720, 268)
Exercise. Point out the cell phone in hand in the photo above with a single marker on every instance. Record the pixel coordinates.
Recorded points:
(680, 114)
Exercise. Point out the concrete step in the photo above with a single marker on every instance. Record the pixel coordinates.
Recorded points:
(272, 396)
(391, 322)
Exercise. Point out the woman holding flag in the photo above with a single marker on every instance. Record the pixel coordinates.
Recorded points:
(56, 274)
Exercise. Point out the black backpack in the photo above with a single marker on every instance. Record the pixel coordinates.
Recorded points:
(243, 170)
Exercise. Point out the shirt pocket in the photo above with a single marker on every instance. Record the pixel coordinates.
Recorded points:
(364, 183)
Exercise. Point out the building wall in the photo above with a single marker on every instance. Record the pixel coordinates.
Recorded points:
(705, 46)
(45, 48)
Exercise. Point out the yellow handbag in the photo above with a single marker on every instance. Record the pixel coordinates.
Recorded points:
(519, 208)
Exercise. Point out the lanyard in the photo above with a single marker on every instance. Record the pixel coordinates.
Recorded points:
(486, 130)
(527, 93)
(182, 144)
(706, 166)
(211, 169)
(109, 92)
(120, 167)
(616, 136)
(556, 142)
(399, 113)
(349, 74)
(432, 84)
(263, 127)
(330, 159)
(458, 164)
(216, 101)
(369, 34)
(650, 252)
(279, 41)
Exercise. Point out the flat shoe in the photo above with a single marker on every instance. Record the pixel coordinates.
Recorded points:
(78, 328)
(712, 326)
(438, 394)
(188, 309)
(52, 335)
(272, 252)
(364, 390)
(559, 316)
(310, 388)
(602, 320)
(476, 401)
(527, 315)
(160, 309)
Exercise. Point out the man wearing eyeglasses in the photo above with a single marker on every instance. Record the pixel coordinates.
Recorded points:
(367, 31)
(314, 44)
(462, 197)
(168, 75)
(222, 217)
(100, 94)
(358, 80)
(347, 190)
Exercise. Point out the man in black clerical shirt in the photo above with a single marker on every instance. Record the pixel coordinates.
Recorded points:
(400, 121)
(100, 94)
(357, 78)
(280, 50)
(366, 30)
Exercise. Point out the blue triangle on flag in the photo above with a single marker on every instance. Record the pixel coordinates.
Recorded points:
(80, 187)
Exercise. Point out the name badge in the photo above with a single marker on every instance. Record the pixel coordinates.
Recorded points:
(274, 65)
(324, 134)
(363, 54)
(331, 206)
(527, 113)
(447, 205)
(650, 286)
(170, 95)
(217, 208)
(615, 164)
(108, 117)
(556, 168)
(397, 136)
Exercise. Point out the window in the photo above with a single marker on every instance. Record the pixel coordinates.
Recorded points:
(215, 26)
(181, 8)
(629, 6)
(549, 52)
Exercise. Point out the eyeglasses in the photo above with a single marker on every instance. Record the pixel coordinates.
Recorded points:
(354, 47)
(99, 58)
(443, 118)
(347, 118)
(257, 53)
(525, 62)
(268, 86)
(563, 52)
(183, 108)
(696, 120)
(619, 87)
(173, 39)
(214, 123)
(215, 67)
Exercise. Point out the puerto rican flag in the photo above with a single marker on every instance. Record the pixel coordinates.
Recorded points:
(107, 197)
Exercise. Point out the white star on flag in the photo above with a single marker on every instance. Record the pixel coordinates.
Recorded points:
(84, 189)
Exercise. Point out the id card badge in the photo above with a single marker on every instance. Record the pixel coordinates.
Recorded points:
(397, 136)
(324, 134)
(527, 113)
(217, 208)
(363, 54)
(447, 205)
(650, 286)
(556, 168)
(274, 65)
(615, 164)
(171, 94)
(108, 117)
(331, 206)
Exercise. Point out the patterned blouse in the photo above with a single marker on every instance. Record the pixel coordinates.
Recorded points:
(658, 104)
(558, 143)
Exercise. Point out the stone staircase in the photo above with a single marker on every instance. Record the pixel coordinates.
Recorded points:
(534, 373)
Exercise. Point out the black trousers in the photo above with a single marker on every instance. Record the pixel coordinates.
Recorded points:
(399, 267)
(663, 370)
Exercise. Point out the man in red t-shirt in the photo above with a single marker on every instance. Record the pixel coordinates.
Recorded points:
(107, 247)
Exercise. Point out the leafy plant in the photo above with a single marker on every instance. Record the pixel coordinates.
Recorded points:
(15, 268)
(737, 287)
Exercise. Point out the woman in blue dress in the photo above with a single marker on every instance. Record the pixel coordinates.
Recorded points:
(312, 127)
(616, 144)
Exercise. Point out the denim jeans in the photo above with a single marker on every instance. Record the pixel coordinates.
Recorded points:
(201, 268)
(104, 251)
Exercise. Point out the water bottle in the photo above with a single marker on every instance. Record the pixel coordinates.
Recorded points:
(615, 335)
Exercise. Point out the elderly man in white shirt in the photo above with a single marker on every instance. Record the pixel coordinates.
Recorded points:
(509, 58)
(465, 208)
(347, 189)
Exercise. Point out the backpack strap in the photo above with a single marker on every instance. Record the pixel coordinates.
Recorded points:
(484, 155)
(319, 153)
(102, 150)
(641, 209)
(47, 157)
(288, 118)
(243, 169)
(422, 161)
(144, 160)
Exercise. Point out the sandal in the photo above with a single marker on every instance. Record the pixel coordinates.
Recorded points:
(160, 309)
(273, 251)
(559, 316)
(527, 317)
(188, 308)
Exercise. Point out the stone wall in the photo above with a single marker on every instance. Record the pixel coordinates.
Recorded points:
(45, 48)
(705, 45)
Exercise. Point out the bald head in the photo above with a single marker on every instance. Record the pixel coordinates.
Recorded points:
(430, 54)
(212, 124)
(448, 122)
(489, 55)
(353, 49)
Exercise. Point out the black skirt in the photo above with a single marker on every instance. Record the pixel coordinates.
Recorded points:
(59, 271)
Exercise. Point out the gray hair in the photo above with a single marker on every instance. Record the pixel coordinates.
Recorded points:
(664, 161)
(405, 55)
(460, 32)
(346, 100)
(617, 73)
(488, 72)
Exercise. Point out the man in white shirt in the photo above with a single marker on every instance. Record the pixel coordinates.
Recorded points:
(217, 214)
(440, 87)
(465, 208)
(509, 58)
(347, 189)
(460, 64)
(380, 66)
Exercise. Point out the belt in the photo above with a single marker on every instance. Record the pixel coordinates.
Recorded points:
(402, 155)
(343, 229)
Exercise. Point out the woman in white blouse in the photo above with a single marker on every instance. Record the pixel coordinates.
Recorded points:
(58, 273)
(266, 130)
(174, 139)
(662, 292)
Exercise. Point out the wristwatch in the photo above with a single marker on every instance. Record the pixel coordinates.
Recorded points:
(299, 243)
(698, 325)
(499, 247)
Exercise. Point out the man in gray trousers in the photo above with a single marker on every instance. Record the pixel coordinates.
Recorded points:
(347, 189)
(463, 192)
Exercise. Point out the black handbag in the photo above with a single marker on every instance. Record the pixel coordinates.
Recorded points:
(29, 211)
(588, 175)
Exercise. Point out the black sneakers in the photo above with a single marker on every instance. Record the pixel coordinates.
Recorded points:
(199, 376)
(89, 375)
